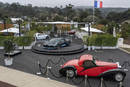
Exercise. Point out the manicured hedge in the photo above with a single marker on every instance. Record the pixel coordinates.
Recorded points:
(100, 40)
(20, 41)
(23, 41)
(4, 38)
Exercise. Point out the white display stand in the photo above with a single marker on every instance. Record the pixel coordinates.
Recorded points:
(120, 42)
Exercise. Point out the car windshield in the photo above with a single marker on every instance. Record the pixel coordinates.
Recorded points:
(55, 40)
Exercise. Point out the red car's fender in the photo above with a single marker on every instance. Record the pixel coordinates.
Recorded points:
(99, 68)
(95, 71)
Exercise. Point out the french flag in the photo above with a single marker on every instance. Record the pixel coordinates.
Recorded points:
(98, 4)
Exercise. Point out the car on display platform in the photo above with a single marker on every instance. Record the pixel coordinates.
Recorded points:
(41, 36)
(87, 65)
(56, 43)
(72, 32)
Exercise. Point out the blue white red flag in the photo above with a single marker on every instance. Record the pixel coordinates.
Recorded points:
(98, 4)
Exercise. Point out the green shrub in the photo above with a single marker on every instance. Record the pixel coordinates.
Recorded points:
(109, 40)
(85, 39)
(8, 46)
(92, 40)
(4, 38)
(31, 33)
(100, 40)
(20, 41)
(24, 41)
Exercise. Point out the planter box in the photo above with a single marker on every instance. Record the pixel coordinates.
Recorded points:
(8, 61)
(15, 52)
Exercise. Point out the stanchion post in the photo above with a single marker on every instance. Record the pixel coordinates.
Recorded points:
(67, 78)
(120, 84)
(47, 72)
(39, 72)
(101, 82)
(85, 80)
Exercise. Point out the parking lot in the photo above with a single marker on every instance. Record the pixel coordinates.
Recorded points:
(28, 62)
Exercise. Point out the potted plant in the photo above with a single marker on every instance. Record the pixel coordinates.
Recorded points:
(8, 48)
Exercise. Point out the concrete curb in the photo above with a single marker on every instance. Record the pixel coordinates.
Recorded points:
(100, 47)
(22, 79)
(20, 47)
(124, 50)
(125, 46)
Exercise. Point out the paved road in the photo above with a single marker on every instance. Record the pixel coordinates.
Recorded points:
(27, 62)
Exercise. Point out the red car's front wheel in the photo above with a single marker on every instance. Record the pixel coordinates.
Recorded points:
(70, 73)
(119, 77)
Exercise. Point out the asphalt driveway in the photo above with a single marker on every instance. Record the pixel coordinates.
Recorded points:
(28, 62)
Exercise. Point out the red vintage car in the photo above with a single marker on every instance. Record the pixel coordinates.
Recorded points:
(87, 65)
(72, 32)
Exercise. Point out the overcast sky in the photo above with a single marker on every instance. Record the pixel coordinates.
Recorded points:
(53, 3)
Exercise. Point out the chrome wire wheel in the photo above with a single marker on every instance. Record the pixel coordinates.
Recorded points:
(70, 73)
(119, 77)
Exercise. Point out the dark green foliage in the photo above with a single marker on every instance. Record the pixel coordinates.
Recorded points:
(20, 41)
(125, 30)
(46, 13)
(40, 28)
(119, 17)
(103, 21)
(108, 40)
(101, 40)
(112, 25)
(24, 41)
(8, 46)
(58, 18)
(110, 19)
(67, 13)
(4, 38)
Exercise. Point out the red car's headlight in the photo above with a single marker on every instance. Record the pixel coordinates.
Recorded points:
(118, 65)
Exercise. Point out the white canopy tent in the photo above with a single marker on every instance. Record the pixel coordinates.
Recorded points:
(57, 22)
(86, 30)
(92, 30)
(11, 30)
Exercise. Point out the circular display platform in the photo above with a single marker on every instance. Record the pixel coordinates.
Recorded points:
(72, 49)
